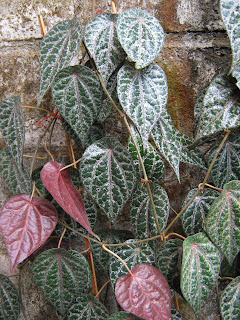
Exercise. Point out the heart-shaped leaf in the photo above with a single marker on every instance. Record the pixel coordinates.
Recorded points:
(227, 165)
(62, 275)
(122, 315)
(87, 307)
(9, 300)
(12, 125)
(230, 11)
(141, 213)
(26, 223)
(58, 182)
(57, 49)
(200, 268)
(223, 220)
(193, 219)
(143, 95)
(140, 35)
(77, 94)
(108, 174)
(230, 300)
(220, 108)
(103, 44)
(145, 293)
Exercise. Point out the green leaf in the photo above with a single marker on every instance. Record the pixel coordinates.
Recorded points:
(9, 300)
(132, 254)
(227, 165)
(200, 269)
(62, 275)
(39, 185)
(230, 301)
(122, 315)
(103, 44)
(140, 35)
(166, 138)
(141, 213)
(87, 307)
(108, 175)
(58, 48)
(15, 176)
(143, 95)
(77, 95)
(223, 220)
(230, 11)
(168, 258)
(220, 108)
(193, 219)
(12, 125)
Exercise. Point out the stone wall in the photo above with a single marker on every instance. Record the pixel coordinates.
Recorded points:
(196, 48)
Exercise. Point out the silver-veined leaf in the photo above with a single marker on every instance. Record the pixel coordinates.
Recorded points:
(223, 220)
(62, 275)
(141, 213)
(140, 35)
(230, 11)
(9, 299)
(103, 44)
(227, 165)
(108, 174)
(200, 268)
(220, 108)
(58, 48)
(193, 218)
(143, 95)
(77, 95)
(230, 300)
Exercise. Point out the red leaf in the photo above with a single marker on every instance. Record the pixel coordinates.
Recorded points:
(145, 293)
(25, 225)
(61, 187)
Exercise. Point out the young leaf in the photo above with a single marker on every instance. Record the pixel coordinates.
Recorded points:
(145, 293)
(200, 268)
(26, 223)
(141, 213)
(143, 95)
(87, 307)
(220, 109)
(193, 219)
(230, 301)
(122, 315)
(9, 300)
(77, 95)
(108, 175)
(57, 49)
(103, 44)
(140, 35)
(12, 126)
(223, 220)
(230, 12)
(62, 275)
(227, 165)
(58, 182)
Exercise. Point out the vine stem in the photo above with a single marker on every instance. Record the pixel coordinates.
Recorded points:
(114, 10)
(71, 164)
(175, 234)
(62, 235)
(209, 186)
(99, 292)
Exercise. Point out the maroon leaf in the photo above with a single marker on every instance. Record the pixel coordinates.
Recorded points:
(145, 293)
(26, 224)
(58, 182)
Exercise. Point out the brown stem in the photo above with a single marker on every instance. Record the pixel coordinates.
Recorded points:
(99, 292)
(114, 10)
(174, 234)
(210, 186)
(62, 235)
(92, 267)
(225, 278)
(42, 25)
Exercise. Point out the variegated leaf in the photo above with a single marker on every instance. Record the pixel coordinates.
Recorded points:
(230, 11)
(9, 299)
(141, 213)
(103, 44)
(193, 219)
(220, 109)
(77, 95)
(227, 165)
(223, 220)
(143, 95)
(230, 300)
(57, 49)
(108, 174)
(200, 268)
(140, 35)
